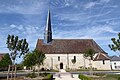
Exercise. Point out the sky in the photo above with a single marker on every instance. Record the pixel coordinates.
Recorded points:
(71, 19)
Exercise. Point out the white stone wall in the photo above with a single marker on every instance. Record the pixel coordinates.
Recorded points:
(51, 61)
(115, 65)
(99, 65)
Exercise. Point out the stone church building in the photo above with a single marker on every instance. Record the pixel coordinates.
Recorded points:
(60, 52)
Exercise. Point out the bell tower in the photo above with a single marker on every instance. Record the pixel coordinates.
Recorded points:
(48, 30)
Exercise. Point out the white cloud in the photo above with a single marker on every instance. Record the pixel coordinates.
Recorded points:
(80, 18)
(90, 4)
(29, 7)
(20, 27)
(95, 3)
(13, 26)
(62, 3)
(104, 1)
(31, 33)
(96, 32)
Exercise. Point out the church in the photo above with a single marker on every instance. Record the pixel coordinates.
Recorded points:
(60, 52)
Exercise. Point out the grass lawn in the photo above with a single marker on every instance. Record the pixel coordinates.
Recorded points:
(108, 77)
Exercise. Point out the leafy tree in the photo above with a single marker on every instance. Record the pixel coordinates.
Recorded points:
(73, 61)
(116, 43)
(16, 47)
(29, 60)
(34, 58)
(89, 53)
(40, 57)
(6, 61)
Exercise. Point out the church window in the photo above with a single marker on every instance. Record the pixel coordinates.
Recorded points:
(103, 61)
(75, 58)
(58, 58)
(114, 63)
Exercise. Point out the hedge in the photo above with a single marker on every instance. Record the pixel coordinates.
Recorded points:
(83, 77)
(48, 77)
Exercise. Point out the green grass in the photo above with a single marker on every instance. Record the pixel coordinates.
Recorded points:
(78, 70)
(108, 77)
(83, 77)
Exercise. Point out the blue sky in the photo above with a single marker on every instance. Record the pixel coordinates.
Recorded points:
(71, 19)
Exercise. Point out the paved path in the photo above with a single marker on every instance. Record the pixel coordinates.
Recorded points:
(66, 76)
(62, 75)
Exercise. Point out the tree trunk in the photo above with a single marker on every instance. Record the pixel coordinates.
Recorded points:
(15, 72)
(12, 69)
(8, 72)
(90, 67)
(84, 64)
(12, 72)
(38, 70)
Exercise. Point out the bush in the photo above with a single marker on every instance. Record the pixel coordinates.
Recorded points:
(99, 74)
(31, 75)
(49, 77)
(83, 77)
(119, 78)
(46, 76)
(3, 68)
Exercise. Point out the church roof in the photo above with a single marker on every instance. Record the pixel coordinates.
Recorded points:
(72, 46)
(101, 56)
(115, 58)
(1, 56)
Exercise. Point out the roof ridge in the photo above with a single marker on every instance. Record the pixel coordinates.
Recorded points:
(70, 39)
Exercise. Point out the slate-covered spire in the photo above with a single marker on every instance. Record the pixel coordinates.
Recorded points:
(48, 30)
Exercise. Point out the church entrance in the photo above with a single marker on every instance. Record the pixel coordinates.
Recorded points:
(61, 65)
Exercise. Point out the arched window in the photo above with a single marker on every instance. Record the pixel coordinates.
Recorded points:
(103, 61)
(75, 58)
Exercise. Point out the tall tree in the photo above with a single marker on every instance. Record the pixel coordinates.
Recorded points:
(89, 53)
(29, 60)
(116, 43)
(16, 47)
(34, 58)
(40, 57)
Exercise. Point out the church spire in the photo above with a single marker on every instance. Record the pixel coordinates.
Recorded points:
(48, 30)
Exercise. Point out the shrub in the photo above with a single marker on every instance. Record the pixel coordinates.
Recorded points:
(49, 77)
(99, 74)
(83, 77)
(119, 78)
(31, 75)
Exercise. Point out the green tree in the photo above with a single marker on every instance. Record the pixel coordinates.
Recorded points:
(73, 61)
(40, 57)
(116, 43)
(34, 58)
(16, 47)
(29, 60)
(89, 53)
(6, 61)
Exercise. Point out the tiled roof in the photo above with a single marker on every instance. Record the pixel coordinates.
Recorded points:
(115, 58)
(1, 56)
(101, 56)
(61, 46)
